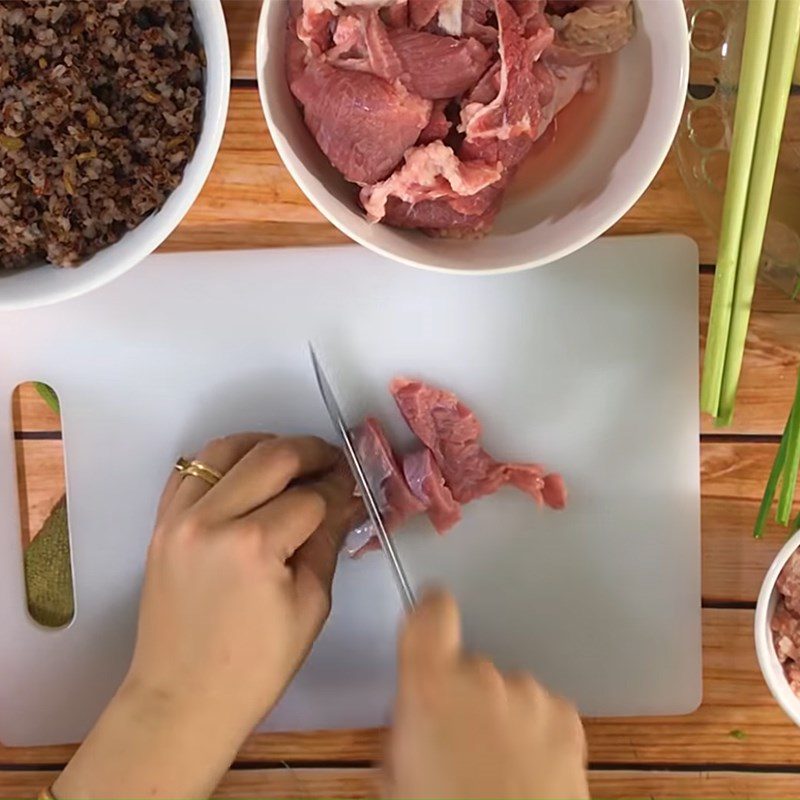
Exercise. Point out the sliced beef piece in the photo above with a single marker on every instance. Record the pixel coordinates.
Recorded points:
(788, 583)
(474, 21)
(487, 88)
(361, 42)
(431, 66)
(515, 109)
(433, 172)
(395, 15)
(786, 626)
(427, 483)
(792, 671)
(442, 16)
(512, 151)
(439, 125)
(595, 28)
(546, 489)
(451, 431)
(313, 21)
(439, 67)
(296, 52)
(554, 492)
(439, 218)
(397, 502)
(531, 14)
(361, 122)
(508, 152)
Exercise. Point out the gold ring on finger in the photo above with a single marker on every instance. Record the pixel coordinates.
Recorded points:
(197, 469)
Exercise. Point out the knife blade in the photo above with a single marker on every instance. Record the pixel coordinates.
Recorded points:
(362, 481)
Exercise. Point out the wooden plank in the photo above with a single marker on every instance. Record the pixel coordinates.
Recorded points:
(733, 478)
(241, 17)
(249, 186)
(614, 785)
(736, 700)
(365, 783)
(767, 383)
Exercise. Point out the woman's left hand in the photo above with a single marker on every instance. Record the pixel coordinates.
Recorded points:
(237, 587)
(239, 574)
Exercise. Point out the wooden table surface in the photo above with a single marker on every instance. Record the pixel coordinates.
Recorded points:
(738, 743)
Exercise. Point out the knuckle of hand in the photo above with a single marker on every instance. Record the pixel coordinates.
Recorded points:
(215, 449)
(282, 456)
(190, 526)
(528, 686)
(569, 718)
(250, 529)
(321, 603)
(485, 673)
(311, 503)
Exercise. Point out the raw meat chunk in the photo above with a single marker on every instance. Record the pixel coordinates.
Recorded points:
(439, 67)
(788, 583)
(515, 110)
(361, 42)
(485, 78)
(451, 431)
(438, 217)
(427, 483)
(361, 122)
(474, 21)
(396, 501)
(591, 29)
(452, 469)
(785, 622)
(439, 125)
(431, 172)
(444, 14)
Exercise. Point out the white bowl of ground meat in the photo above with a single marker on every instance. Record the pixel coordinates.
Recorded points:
(111, 116)
(473, 135)
(777, 628)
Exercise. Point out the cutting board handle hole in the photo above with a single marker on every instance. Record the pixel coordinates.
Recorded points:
(41, 484)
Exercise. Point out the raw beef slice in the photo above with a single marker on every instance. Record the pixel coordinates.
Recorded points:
(361, 122)
(396, 501)
(426, 482)
(451, 431)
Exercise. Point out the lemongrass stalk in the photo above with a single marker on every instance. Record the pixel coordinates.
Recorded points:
(760, 16)
(792, 463)
(782, 55)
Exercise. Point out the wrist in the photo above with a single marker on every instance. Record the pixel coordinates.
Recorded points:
(232, 706)
(156, 741)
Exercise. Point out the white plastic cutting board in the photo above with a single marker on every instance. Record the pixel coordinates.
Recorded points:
(589, 366)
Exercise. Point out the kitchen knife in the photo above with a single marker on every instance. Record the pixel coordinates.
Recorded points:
(362, 482)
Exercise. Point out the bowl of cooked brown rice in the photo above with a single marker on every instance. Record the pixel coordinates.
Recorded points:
(111, 116)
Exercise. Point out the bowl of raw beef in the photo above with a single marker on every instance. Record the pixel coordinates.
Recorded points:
(777, 628)
(473, 135)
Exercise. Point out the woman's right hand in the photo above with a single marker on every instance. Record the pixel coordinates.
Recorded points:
(462, 729)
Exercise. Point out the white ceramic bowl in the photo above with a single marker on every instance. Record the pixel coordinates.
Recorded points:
(771, 668)
(626, 148)
(41, 285)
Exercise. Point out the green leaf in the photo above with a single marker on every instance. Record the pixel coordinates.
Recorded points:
(49, 396)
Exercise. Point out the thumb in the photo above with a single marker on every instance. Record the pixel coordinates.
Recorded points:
(431, 636)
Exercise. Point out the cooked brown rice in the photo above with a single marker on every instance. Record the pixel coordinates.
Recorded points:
(100, 106)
